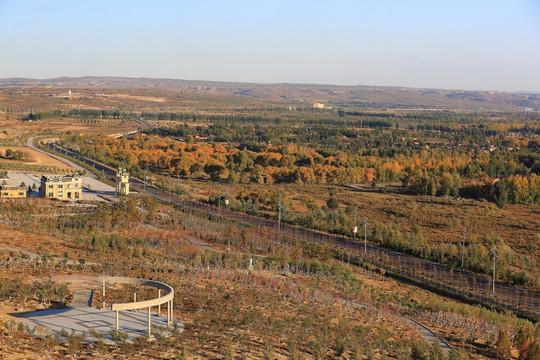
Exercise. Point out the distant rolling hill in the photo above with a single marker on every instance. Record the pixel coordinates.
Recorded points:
(357, 96)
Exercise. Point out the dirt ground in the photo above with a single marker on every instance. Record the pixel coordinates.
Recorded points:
(137, 97)
(36, 158)
(18, 130)
(42, 244)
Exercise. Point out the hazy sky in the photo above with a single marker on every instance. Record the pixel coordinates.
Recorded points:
(473, 44)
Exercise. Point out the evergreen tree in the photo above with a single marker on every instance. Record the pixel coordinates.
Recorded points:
(501, 193)
(233, 178)
(332, 203)
(534, 352)
(457, 355)
(436, 352)
(503, 346)
(432, 187)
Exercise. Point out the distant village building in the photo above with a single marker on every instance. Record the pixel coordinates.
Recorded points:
(61, 187)
(12, 191)
(318, 105)
(122, 182)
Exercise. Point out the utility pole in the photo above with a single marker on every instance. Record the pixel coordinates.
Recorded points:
(463, 238)
(279, 213)
(219, 203)
(365, 235)
(145, 177)
(355, 228)
(495, 256)
(170, 189)
(227, 198)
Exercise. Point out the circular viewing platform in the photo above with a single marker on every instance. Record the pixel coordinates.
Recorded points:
(145, 304)
(134, 319)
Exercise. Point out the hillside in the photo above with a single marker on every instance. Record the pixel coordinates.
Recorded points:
(334, 95)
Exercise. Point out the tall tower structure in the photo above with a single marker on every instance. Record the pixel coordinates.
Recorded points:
(122, 182)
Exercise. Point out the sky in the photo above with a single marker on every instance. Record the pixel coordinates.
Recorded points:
(458, 44)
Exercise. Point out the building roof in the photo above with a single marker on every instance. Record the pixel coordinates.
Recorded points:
(12, 187)
(58, 178)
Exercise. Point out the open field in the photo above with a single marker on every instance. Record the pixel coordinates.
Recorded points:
(36, 158)
(441, 220)
(18, 130)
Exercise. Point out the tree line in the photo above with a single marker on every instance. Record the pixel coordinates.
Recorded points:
(435, 172)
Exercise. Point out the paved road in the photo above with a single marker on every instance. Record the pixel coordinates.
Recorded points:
(30, 144)
(92, 187)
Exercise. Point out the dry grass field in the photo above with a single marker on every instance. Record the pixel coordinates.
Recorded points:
(18, 130)
(41, 244)
(35, 158)
(441, 220)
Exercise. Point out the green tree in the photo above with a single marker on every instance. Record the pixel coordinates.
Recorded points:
(332, 203)
(268, 350)
(233, 177)
(501, 193)
(436, 352)
(214, 171)
(503, 346)
(432, 187)
(534, 352)
(456, 184)
(457, 354)
(419, 350)
(524, 339)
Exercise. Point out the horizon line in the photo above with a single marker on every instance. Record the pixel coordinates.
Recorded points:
(264, 83)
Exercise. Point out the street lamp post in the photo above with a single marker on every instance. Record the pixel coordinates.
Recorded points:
(219, 203)
(463, 238)
(145, 178)
(494, 256)
(365, 235)
(355, 228)
(279, 213)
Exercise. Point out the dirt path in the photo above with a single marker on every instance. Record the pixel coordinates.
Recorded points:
(427, 334)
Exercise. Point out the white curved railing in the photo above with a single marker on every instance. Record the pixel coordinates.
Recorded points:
(145, 304)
